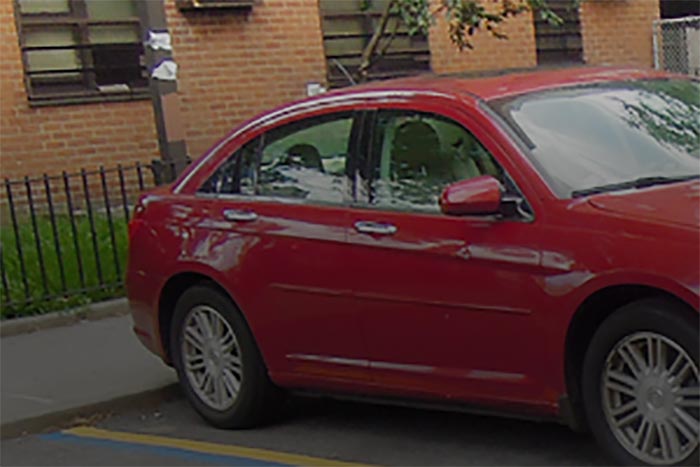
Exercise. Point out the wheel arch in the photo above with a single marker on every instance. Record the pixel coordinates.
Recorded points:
(586, 320)
(170, 293)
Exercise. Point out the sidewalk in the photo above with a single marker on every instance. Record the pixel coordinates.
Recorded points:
(53, 375)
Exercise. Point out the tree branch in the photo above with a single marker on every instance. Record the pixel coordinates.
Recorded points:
(388, 42)
(371, 48)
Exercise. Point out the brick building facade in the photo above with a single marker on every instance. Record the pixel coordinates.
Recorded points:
(233, 65)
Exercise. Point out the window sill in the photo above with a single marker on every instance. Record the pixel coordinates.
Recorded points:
(88, 98)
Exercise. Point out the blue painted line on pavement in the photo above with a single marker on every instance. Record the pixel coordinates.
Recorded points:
(197, 457)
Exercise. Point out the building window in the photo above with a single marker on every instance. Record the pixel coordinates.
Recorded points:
(559, 44)
(81, 50)
(347, 28)
(679, 8)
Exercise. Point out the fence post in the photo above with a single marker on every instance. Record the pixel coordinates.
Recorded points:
(18, 240)
(655, 43)
(54, 229)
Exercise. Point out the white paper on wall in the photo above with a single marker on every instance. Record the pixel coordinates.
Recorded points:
(314, 89)
(166, 71)
(159, 40)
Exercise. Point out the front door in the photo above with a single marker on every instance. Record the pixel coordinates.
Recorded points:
(448, 303)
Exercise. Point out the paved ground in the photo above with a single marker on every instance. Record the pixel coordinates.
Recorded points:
(52, 371)
(172, 434)
(54, 374)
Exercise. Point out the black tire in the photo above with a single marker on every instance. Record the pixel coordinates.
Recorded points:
(257, 397)
(662, 317)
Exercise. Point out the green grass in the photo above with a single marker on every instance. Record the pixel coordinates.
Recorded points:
(20, 304)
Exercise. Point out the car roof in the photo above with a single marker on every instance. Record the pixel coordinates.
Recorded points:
(489, 85)
(486, 86)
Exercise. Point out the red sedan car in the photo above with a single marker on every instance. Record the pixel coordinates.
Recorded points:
(524, 243)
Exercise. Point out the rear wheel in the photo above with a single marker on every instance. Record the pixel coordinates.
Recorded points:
(641, 385)
(217, 361)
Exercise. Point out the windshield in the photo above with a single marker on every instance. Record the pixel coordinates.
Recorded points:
(608, 134)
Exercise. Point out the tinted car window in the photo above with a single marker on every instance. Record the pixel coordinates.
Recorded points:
(307, 160)
(416, 155)
(303, 160)
(237, 174)
(597, 135)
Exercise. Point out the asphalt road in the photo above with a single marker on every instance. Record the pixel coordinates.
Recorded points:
(325, 430)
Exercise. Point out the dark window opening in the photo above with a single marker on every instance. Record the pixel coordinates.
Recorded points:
(562, 44)
(679, 8)
(114, 64)
(348, 28)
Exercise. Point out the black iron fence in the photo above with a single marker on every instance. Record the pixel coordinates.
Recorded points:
(63, 239)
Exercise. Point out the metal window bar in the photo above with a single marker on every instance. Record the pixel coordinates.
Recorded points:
(347, 30)
(559, 44)
(90, 80)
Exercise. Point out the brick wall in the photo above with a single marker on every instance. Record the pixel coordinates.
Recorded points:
(489, 53)
(618, 32)
(234, 65)
(52, 139)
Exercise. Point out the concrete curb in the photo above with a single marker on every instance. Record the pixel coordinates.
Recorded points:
(90, 312)
(88, 413)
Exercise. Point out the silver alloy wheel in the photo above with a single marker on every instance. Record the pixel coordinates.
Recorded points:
(651, 398)
(211, 357)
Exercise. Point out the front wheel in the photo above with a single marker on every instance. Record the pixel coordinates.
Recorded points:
(641, 386)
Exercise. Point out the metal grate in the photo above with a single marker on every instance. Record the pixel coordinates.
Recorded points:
(347, 28)
(559, 44)
(677, 45)
(81, 49)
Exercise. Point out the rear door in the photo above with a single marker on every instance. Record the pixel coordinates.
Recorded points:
(279, 216)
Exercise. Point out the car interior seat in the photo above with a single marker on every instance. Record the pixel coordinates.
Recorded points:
(416, 151)
(305, 155)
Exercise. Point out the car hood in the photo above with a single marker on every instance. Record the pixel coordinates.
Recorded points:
(677, 203)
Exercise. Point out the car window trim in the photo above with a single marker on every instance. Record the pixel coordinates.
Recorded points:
(330, 102)
(235, 197)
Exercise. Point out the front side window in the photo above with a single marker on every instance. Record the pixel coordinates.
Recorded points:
(80, 49)
(609, 136)
(306, 160)
(416, 155)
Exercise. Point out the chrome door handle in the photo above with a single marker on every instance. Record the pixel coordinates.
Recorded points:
(237, 215)
(375, 228)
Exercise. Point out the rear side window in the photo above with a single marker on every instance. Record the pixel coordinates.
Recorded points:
(306, 160)
(236, 175)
